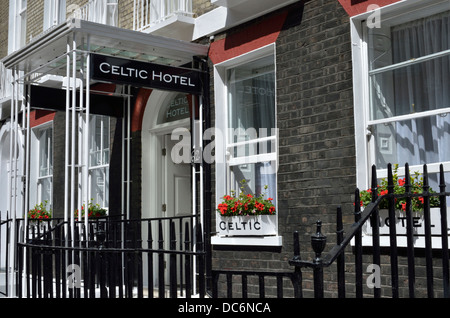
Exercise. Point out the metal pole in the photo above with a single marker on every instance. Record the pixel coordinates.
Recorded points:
(86, 136)
(122, 184)
(73, 154)
(67, 162)
(12, 180)
(27, 186)
(318, 241)
(81, 146)
(128, 149)
(194, 188)
(200, 146)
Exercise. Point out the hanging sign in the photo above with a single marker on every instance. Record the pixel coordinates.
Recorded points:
(142, 74)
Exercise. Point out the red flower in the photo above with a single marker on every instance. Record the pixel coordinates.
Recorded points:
(259, 206)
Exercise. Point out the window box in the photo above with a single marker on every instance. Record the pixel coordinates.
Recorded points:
(400, 223)
(258, 225)
(400, 226)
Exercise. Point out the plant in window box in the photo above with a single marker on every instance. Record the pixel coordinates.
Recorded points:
(417, 202)
(245, 214)
(40, 212)
(94, 211)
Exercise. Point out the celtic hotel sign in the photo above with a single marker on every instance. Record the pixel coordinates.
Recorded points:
(142, 74)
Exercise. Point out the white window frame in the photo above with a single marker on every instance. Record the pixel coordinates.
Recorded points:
(397, 13)
(54, 13)
(223, 160)
(36, 179)
(17, 26)
(102, 166)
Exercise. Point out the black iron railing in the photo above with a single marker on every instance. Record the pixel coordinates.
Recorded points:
(5, 228)
(166, 257)
(281, 281)
(111, 258)
(371, 214)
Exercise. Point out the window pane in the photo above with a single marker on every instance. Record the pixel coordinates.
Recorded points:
(100, 186)
(408, 41)
(99, 141)
(416, 141)
(253, 148)
(177, 108)
(99, 153)
(251, 90)
(421, 37)
(46, 191)
(45, 152)
(415, 88)
(257, 176)
(105, 141)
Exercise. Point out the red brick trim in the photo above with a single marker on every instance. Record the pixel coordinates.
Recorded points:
(139, 108)
(250, 38)
(39, 117)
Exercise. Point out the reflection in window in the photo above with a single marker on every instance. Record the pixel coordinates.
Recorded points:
(45, 178)
(176, 109)
(251, 142)
(409, 91)
(99, 153)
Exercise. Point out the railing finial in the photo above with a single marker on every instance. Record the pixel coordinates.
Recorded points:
(318, 241)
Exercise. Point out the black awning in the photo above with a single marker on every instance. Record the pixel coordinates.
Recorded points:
(55, 99)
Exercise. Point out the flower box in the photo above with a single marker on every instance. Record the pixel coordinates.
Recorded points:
(246, 225)
(400, 223)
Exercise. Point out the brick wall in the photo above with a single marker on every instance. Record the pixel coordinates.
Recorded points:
(202, 6)
(316, 132)
(4, 17)
(126, 14)
(35, 16)
(315, 118)
(35, 19)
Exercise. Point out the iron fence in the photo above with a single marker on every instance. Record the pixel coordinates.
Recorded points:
(166, 257)
(371, 214)
(112, 258)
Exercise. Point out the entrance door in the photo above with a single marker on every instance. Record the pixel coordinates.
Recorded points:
(177, 193)
(177, 198)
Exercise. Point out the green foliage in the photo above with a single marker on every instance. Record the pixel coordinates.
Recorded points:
(246, 204)
(40, 212)
(416, 187)
(94, 211)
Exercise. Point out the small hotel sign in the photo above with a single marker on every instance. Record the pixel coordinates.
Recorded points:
(142, 74)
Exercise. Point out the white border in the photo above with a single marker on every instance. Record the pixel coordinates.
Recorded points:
(398, 12)
(220, 95)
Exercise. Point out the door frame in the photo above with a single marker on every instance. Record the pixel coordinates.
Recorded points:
(152, 160)
(151, 157)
